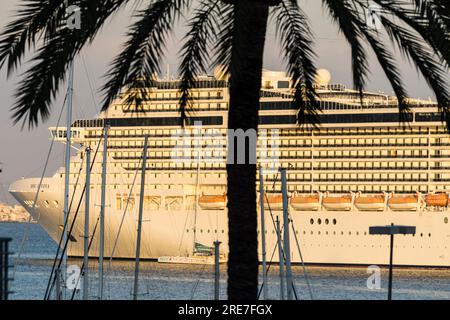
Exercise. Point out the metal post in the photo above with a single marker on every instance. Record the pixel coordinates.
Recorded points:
(58, 292)
(4, 266)
(216, 270)
(391, 257)
(139, 229)
(102, 215)
(287, 247)
(67, 173)
(2, 271)
(263, 232)
(86, 226)
(280, 258)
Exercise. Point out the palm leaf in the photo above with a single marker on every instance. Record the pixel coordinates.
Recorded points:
(432, 70)
(41, 82)
(194, 53)
(138, 62)
(342, 13)
(296, 39)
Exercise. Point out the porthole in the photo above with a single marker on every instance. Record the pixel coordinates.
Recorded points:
(319, 221)
(334, 221)
(429, 235)
(311, 221)
(327, 221)
(445, 220)
(421, 234)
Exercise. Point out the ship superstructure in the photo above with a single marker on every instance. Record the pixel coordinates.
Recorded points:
(359, 168)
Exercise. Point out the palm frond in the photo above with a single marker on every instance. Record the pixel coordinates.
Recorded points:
(195, 51)
(138, 62)
(296, 39)
(224, 39)
(41, 82)
(34, 18)
(430, 19)
(432, 70)
(342, 13)
(387, 62)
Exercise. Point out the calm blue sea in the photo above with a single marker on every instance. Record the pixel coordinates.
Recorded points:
(160, 281)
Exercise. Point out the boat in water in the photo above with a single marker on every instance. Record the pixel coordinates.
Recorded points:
(357, 147)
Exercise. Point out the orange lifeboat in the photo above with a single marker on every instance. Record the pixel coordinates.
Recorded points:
(273, 202)
(404, 202)
(370, 203)
(338, 203)
(306, 202)
(212, 202)
(437, 199)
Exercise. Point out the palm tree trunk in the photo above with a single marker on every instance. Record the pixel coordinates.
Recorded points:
(245, 85)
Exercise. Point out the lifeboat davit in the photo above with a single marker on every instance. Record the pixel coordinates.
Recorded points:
(437, 199)
(212, 202)
(338, 203)
(273, 202)
(371, 203)
(404, 202)
(306, 202)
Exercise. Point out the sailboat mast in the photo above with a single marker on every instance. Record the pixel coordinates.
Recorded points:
(263, 231)
(67, 174)
(197, 182)
(102, 214)
(86, 226)
(287, 247)
(139, 229)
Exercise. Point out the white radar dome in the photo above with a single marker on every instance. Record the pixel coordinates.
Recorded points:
(323, 77)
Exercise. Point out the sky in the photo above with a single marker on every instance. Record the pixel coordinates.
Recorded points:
(23, 151)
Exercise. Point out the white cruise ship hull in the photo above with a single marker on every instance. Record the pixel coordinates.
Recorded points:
(325, 237)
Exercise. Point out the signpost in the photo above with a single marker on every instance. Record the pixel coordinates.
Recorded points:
(391, 230)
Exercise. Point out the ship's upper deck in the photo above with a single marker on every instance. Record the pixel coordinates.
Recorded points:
(210, 98)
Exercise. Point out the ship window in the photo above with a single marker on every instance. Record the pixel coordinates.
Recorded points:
(311, 221)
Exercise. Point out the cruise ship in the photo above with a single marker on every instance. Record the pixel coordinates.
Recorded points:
(361, 167)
